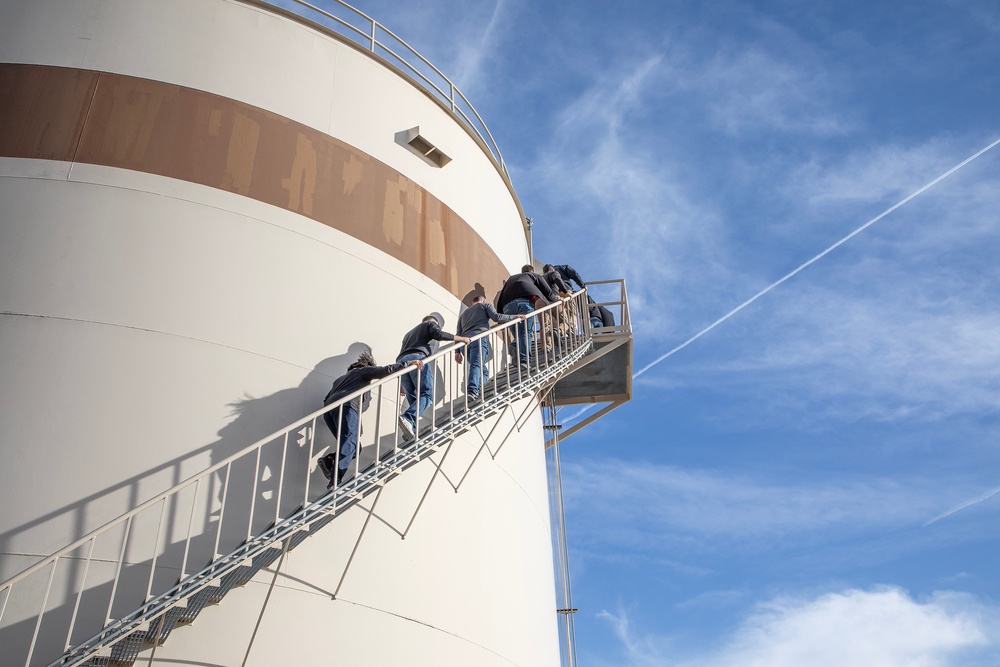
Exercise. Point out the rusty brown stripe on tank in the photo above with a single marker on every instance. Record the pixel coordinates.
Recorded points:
(58, 113)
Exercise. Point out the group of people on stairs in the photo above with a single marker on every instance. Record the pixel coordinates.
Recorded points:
(521, 294)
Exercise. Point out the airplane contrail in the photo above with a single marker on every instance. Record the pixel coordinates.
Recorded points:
(968, 503)
(803, 266)
(815, 259)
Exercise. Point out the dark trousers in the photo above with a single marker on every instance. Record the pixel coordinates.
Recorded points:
(346, 432)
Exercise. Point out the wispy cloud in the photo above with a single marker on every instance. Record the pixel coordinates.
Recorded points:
(645, 506)
(474, 46)
(891, 357)
(640, 650)
(776, 88)
(638, 181)
(880, 627)
(459, 38)
(689, 248)
(883, 627)
(627, 191)
(885, 171)
(904, 319)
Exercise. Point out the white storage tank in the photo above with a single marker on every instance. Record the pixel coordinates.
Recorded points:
(207, 209)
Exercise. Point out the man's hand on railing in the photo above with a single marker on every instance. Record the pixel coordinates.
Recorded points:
(463, 339)
(458, 357)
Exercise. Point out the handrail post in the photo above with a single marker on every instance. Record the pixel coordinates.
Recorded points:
(281, 478)
(311, 428)
(335, 470)
(79, 595)
(253, 497)
(41, 612)
(118, 570)
(222, 509)
(156, 548)
(187, 539)
(398, 402)
(378, 425)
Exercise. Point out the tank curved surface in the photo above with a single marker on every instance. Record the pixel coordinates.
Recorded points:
(209, 209)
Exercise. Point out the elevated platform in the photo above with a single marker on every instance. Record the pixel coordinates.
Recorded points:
(604, 376)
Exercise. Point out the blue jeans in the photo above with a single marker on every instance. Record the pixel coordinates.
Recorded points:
(478, 353)
(523, 329)
(409, 382)
(347, 432)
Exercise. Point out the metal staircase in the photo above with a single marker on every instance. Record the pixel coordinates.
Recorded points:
(126, 586)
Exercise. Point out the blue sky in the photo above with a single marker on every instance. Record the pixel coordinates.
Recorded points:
(816, 481)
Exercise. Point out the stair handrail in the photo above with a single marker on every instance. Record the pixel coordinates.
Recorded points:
(570, 348)
(291, 428)
(321, 511)
(458, 415)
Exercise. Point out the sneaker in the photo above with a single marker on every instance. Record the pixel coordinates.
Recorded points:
(472, 396)
(407, 428)
(325, 466)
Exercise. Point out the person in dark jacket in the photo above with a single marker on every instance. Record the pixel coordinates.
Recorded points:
(474, 321)
(343, 420)
(518, 296)
(599, 315)
(555, 280)
(417, 345)
(568, 273)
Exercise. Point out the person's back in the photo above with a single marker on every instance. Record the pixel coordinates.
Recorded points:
(419, 387)
(343, 421)
(474, 321)
(476, 318)
(420, 338)
(348, 383)
(357, 377)
(519, 296)
(568, 273)
(555, 280)
(525, 285)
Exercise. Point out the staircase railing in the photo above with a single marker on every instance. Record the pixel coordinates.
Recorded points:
(125, 585)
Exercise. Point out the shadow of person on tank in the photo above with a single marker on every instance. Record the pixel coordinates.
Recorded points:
(253, 418)
(259, 488)
(284, 464)
(160, 533)
(467, 300)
